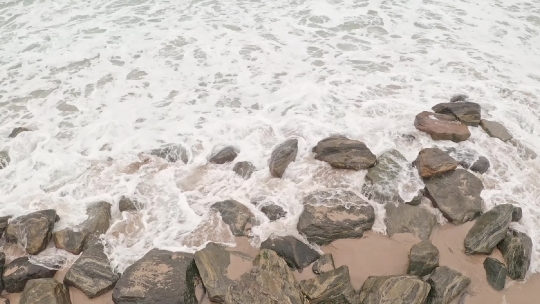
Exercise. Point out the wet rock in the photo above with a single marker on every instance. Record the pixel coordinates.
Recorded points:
(459, 97)
(446, 284)
(489, 230)
(160, 277)
(417, 199)
(495, 273)
(297, 254)
(442, 126)
(333, 286)
(282, 156)
(70, 240)
(343, 153)
(405, 218)
(212, 263)
(171, 153)
(45, 291)
(244, 169)
(323, 264)
(516, 249)
(18, 131)
(20, 271)
(481, 165)
(235, 215)
(33, 231)
(4, 159)
(423, 259)
(382, 180)
(126, 204)
(273, 212)
(99, 217)
(468, 113)
(434, 161)
(495, 129)
(456, 194)
(225, 155)
(4, 223)
(4, 300)
(2, 265)
(326, 219)
(394, 290)
(517, 213)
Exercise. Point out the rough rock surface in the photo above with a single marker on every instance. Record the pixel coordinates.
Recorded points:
(495, 129)
(18, 130)
(394, 290)
(343, 153)
(382, 180)
(468, 113)
(446, 284)
(2, 265)
(495, 273)
(517, 213)
(244, 169)
(481, 165)
(4, 223)
(282, 156)
(212, 262)
(160, 277)
(235, 215)
(423, 259)
(225, 155)
(273, 212)
(417, 199)
(456, 194)
(405, 218)
(45, 291)
(127, 204)
(434, 161)
(323, 264)
(99, 217)
(4, 300)
(171, 153)
(516, 249)
(70, 240)
(488, 230)
(330, 287)
(20, 271)
(297, 254)
(33, 230)
(442, 126)
(4, 159)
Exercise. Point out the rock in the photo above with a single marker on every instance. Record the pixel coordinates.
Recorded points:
(446, 284)
(282, 156)
(2, 265)
(4, 159)
(126, 204)
(467, 112)
(17, 131)
(244, 169)
(235, 215)
(434, 161)
(273, 212)
(323, 264)
(20, 271)
(159, 277)
(99, 216)
(333, 286)
(442, 126)
(212, 263)
(517, 213)
(417, 199)
(405, 218)
(171, 153)
(488, 230)
(45, 291)
(456, 194)
(297, 254)
(516, 249)
(423, 259)
(33, 231)
(495, 129)
(394, 290)
(4, 223)
(70, 240)
(326, 219)
(464, 156)
(382, 180)
(4, 300)
(225, 155)
(343, 153)
(495, 273)
(459, 97)
(481, 165)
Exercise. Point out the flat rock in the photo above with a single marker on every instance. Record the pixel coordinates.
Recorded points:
(4, 223)
(297, 254)
(516, 249)
(481, 165)
(405, 218)
(159, 277)
(33, 231)
(446, 284)
(273, 212)
(127, 204)
(488, 230)
(323, 264)
(171, 153)
(282, 156)
(394, 290)
(343, 153)
(212, 263)
(244, 169)
(18, 130)
(495, 129)
(382, 180)
(467, 112)
(456, 194)
(235, 215)
(70, 240)
(423, 259)
(45, 291)
(225, 155)
(20, 271)
(517, 214)
(333, 286)
(495, 273)
(4, 159)
(442, 126)
(434, 161)
(2, 266)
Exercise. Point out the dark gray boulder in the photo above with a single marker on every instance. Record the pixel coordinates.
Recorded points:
(2, 265)
(4, 223)
(404, 218)
(495, 129)
(323, 264)
(467, 112)
(517, 214)
(516, 249)
(297, 254)
(225, 155)
(234, 214)
(495, 273)
(446, 285)
(441, 126)
(282, 156)
(4, 159)
(212, 263)
(17, 131)
(417, 199)
(382, 180)
(45, 291)
(171, 153)
(273, 212)
(394, 290)
(33, 231)
(481, 165)
(244, 169)
(70, 240)
(423, 259)
(20, 271)
(127, 204)
(333, 286)
(343, 153)
(434, 161)
(99, 217)
(488, 230)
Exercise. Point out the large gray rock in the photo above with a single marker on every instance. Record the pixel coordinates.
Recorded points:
(18, 130)
(488, 230)
(20, 271)
(495, 129)
(434, 161)
(516, 249)
(404, 218)
(273, 212)
(99, 217)
(225, 155)
(70, 240)
(4, 159)
(330, 287)
(456, 194)
(382, 180)
(212, 263)
(394, 290)
(33, 231)
(297, 254)
(160, 277)
(244, 169)
(446, 284)
(323, 264)
(282, 156)
(468, 113)
(171, 153)
(45, 291)
(344, 153)
(441, 126)
(235, 215)
(326, 218)
(423, 259)
(495, 273)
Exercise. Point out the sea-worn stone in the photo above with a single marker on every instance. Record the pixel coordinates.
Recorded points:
(273, 212)
(4, 159)
(18, 130)
(4, 300)
(488, 230)
(394, 290)
(225, 155)
(159, 277)
(434, 161)
(517, 214)
(495, 273)
(235, 215)
(99, 217)
(282, 156)
(33, 231)
(333, 286)
(323, 264)
(467, 112)
(481, 165)
(244, 169)
(4, 223)
(417, 199)
(127, 204)
(20, 271)
(495, 129)
(343, 153)
(404, 218)
(70, 240)
(297, 254)
(459, 97)
(2, 266)
(423, 259)
(333, 215)
(442, 126)
(171, 153)
(382, 180)
(45, 291)
(212, 263)
(516, 249)
(446, 284)
(456, 194)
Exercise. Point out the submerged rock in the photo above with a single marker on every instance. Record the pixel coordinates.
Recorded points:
(517, 213)
(99, 217)
(126, 204)
(442, 126)
(394, 290)
(423, 259)
(343, 153)
(323, 264)
(297, 254)
(4, 223)
(495, 273)
(4, 159)
(212, 263)
(235, 215)
(244, 169)
(467, 112)
(459, 97)
(273, 212)
(489, 230)
(417, 199)
(282, 156)
(225, 155)
(17, 131)
(45, 291)
(2, 265)
(382, 180)
(70, 240)
(172, 153)
(516, 249)
(495, 129)
(20, 271)
(33, 231)
(434, 161)
(446, 284)
(405, 218)
(333, 286)
(481, 165)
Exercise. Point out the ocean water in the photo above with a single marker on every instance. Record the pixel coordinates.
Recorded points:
(101, 83)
